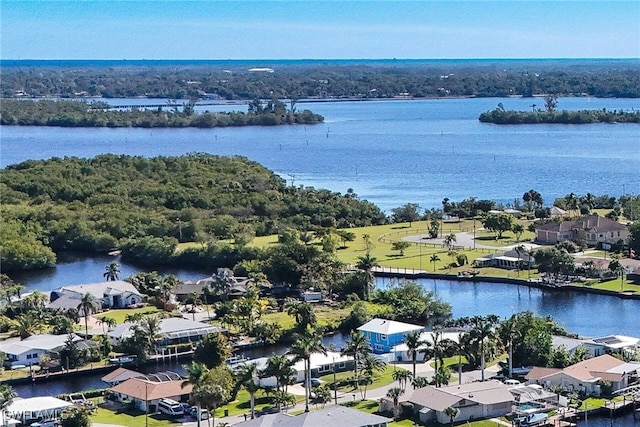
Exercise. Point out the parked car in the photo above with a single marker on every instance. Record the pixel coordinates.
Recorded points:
(315, 382)
(204, 414)
(48, 423)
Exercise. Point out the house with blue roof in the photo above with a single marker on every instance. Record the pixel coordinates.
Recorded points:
(384, 334)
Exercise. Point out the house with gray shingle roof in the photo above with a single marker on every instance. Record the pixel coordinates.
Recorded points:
(328, 416)
(114, 294)
(475, 400)
(593, 229)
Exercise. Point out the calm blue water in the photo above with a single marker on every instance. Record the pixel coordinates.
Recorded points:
(392, 152)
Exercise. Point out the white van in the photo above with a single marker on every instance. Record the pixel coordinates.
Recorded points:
(512, 382)
(170, 407)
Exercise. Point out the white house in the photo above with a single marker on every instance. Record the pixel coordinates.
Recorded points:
(36, 408)
(28, 351)
(145, 393)
(599, 345)
(114, 294)
(401, 351)
(173, 330)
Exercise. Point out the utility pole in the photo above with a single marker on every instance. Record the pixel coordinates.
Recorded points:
(335, 386)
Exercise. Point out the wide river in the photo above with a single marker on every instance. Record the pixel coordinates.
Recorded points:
(391, 152)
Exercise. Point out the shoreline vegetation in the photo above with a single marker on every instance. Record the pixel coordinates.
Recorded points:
(65, 113)
(500, 116)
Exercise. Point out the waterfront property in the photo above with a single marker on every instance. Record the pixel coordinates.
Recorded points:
(400, 352)
(531, 399)
(328, 416)
(173, 330)
(120, 375)
(321, 364)
(28, 351)
(592, 229)
(598, 346)
(509, 260)
(33, 409)
(588, 376)
(145, 392)
(114, 294)
(383, 334)
(473, 400)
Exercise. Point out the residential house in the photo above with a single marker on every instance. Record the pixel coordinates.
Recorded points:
(598, 346)
(114, 294)
(401, 351)
(328, 416)
(594, 230)
(383, 334)
(42, 408)
(173, 330)
(321, 364)
(556, 212)
(145, 393)
(510, 259)
(120, 375)
(28, 351)
(475, 400)
(587, 376)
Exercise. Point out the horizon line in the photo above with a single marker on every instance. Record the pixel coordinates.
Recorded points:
(324, 59)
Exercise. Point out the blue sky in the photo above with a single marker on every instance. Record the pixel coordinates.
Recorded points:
(318, 30)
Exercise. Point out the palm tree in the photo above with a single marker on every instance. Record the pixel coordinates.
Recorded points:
(109, 322)
(616, 267)
(517, 229)
(371, 365)
(449, 240)
(394, 394)
(482, 329)
(438, 345)
(452, 413)
(434, 258)
(357, 347)
(247, 377)
(89, 304)
(280, 367)
(112, 272)
(402, 376)
(304, 315)
(195, 302)
(366, 263)
(196, 376)
(303, 346)
(419, 382)
(166, 286)
(509, 333)
(520, 249)
(27, 324)
(223, 280)
(413, 342)
(6, 398)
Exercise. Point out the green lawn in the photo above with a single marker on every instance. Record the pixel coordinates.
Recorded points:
(242, 404)
(381, 379)
(120, 314)
(107, 416)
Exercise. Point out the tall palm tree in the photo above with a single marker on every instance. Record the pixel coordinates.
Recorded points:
(194, 299)
(366, 264)
(196, 377)
(223, 280)
(89, 304)
(107, 321)
(304, 345)
(482, 330)
(280, 367)
(433, 259)
(439, 347)
(371, 365)
(356, 347)
(509, 333)
(402, 376)
(394, 394)
(449, 240)
(413, 342)
(247, 376)
(112, 271)
(27, 324)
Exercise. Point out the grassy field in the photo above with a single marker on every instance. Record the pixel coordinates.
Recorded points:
(381, 379)
(119, 315)
(107, 416)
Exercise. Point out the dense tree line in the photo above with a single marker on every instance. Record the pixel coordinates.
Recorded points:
(80, 114)
(111, 201)
(326, 80)
(501, 116)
